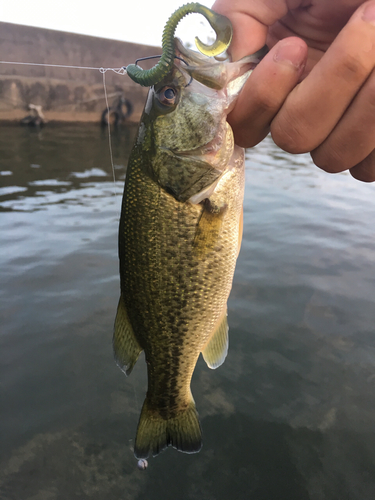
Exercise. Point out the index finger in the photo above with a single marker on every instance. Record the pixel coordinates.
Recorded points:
(251, 20)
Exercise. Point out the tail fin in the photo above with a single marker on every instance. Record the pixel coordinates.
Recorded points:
(155, 433)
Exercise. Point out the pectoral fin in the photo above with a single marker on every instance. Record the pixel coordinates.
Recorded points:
(125, 345)
(216, 349)
(208, 228)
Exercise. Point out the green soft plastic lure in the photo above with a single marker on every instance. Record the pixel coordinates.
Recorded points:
(220, 24)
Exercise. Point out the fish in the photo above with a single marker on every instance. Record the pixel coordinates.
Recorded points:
(179, 238)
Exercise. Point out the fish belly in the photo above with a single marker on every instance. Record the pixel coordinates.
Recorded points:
(176, 266)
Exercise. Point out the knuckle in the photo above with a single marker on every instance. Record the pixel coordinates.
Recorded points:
(268, 102)
(291, 135)
(369, 88)
(351, 67)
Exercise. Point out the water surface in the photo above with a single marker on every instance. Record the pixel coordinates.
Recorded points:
(290, 415)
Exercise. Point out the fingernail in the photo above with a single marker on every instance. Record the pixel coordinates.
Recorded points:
(291, 53)
(369, 13)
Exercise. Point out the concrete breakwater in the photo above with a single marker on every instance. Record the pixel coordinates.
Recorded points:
(66, 94)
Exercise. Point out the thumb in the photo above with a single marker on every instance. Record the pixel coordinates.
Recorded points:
(251, 20)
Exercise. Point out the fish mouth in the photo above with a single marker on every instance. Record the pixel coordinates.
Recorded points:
(217, 151)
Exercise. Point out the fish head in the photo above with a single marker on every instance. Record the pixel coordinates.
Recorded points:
(184, 131)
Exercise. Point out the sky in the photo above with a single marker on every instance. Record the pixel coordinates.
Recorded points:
(140, 21)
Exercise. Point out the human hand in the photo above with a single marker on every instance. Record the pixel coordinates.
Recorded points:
(315, 89)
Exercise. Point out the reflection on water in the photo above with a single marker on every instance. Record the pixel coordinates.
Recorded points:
(290, 415)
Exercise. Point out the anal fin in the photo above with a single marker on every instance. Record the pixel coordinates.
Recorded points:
(216, 349)
(125, 346)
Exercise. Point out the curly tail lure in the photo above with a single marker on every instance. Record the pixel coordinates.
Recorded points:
(220, 24)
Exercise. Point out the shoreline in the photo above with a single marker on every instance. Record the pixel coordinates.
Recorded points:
(66, 94)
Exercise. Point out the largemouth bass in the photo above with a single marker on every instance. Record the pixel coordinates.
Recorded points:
(179, 238)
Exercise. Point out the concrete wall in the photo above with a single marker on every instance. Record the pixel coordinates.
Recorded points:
(65, 94)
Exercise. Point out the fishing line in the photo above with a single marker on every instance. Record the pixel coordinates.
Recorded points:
(118, 71)
(109, 137)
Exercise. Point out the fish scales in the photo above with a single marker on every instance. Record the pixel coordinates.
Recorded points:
(179, 238)
(183, 294)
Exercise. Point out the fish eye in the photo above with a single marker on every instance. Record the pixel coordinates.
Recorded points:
(169, 93)
(167, 96)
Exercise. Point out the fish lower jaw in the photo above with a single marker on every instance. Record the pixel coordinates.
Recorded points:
(227, 162)
(217, 151)
(220, 149)
(216, 144)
